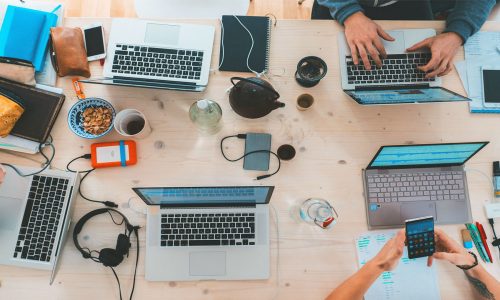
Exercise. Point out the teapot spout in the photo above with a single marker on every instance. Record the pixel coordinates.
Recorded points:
(279, 104)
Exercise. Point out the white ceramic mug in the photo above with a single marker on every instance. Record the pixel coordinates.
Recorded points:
(132, 123)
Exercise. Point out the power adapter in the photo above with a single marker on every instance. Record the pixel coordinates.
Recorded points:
(492, 210)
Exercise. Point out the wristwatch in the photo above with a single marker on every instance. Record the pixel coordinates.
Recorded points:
(468, 267)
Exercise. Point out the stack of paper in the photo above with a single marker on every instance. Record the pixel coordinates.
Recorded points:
(411, 280)
(481, 50)
(47, 75)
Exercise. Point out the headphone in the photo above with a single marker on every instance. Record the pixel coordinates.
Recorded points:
(109, 257)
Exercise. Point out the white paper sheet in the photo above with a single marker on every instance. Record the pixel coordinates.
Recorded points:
(412, 279)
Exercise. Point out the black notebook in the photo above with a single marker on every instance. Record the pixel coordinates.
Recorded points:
(236, 43)
(41, 109)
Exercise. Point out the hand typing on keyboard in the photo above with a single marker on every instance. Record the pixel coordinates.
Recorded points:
(363, 37)
(443, 48)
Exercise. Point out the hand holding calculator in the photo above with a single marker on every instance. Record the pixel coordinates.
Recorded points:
(420, 237)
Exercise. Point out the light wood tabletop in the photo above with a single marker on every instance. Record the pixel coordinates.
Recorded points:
(335, 140)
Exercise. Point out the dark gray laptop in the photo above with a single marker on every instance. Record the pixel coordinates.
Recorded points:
(411, 181)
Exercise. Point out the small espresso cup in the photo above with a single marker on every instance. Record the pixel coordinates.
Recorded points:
(304, 102)
(132, 123)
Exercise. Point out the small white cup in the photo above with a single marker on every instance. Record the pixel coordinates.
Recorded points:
(132, 123)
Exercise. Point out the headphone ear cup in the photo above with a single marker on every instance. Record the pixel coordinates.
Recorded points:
(110, 258)
(122, 244)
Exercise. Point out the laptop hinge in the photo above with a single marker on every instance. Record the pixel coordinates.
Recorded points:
(391, 87)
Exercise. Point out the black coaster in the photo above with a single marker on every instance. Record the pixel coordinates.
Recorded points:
(286, 152)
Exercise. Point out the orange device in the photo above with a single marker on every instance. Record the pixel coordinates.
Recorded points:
(113, 154)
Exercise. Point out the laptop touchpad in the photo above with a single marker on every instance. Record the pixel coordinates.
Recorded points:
(417, 210)
(162, 34)
(207, 263)
(397, 46)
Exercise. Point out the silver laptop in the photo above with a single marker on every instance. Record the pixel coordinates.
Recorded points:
(412, 181)
(398, 81)
(159, 55)
(207, 233)
(35, 216)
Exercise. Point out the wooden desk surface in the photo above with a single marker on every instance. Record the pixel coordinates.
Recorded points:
(334, 140)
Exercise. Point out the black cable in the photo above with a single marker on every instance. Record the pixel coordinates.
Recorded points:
(495, 241)
(243, 136)
(87, 172)
(46, 164)
(117, 280)
(136, 232)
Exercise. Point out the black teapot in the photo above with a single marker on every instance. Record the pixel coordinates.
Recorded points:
(253, 97)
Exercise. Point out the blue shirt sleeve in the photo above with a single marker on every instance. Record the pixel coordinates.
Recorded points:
(467, 17)
(341, 9)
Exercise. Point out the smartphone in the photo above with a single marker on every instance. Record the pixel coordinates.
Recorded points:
(94, 42)
(420, 237)
(257, 161)
(491, 82)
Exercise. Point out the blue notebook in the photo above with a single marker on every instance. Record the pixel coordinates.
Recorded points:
(25, 34)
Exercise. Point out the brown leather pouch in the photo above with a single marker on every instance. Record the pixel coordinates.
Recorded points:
(17, 70)
(10, 111)
(68, 53)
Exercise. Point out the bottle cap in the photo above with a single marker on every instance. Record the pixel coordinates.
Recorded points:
(286, 152)
(496, 168)
(202, 104)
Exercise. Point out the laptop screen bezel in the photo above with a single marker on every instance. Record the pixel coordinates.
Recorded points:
(402, 87)
(206, 204)
(370, 167)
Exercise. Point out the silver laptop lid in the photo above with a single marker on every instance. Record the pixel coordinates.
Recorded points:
(425, 155)
(205, 196)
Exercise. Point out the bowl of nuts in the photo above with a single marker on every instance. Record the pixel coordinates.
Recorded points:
(91, 118)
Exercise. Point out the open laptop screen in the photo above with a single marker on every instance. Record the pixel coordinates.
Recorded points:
(202, 196)
(425, 155)
(404, 95)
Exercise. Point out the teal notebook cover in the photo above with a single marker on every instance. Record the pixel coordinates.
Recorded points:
(25, 34)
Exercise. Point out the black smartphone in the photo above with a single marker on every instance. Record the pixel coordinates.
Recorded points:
(420, 237)
(257, 161)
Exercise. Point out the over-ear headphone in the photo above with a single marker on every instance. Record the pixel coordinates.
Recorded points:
(109, 257)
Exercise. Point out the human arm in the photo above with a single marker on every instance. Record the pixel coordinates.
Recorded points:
(464, 20)
(449, 250)
(341, 9)
(386, 260)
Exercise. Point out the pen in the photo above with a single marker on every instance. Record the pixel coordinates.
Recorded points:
(477, 241)
(482, 234)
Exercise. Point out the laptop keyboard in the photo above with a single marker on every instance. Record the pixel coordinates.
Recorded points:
(157, 62)
(396, 68)
(41, 218)
(207, 229)
(427, 186)
(209, 192)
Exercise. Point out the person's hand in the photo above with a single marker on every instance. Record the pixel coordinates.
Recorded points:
(388, 258)
(2, 174)
(363, 37)
(443, 48)
(449, 250)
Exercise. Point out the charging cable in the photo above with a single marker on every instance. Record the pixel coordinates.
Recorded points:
(87, 172)
(243, 136)
(46, 164)
(491, 221)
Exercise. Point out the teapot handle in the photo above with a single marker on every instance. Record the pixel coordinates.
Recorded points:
(256, 83)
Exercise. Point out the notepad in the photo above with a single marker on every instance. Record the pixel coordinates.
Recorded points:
(236, 44)
(25, 34)
(411, 280)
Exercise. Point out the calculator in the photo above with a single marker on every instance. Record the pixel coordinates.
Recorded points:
(420, 237)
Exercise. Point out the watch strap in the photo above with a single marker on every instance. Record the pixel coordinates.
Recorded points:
(468, 267)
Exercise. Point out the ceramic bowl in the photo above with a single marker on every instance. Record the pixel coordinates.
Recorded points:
(75, 118)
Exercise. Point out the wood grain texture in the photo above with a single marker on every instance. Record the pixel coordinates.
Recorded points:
(335, 139)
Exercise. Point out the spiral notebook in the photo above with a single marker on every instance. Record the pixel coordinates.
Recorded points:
(236, 43)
